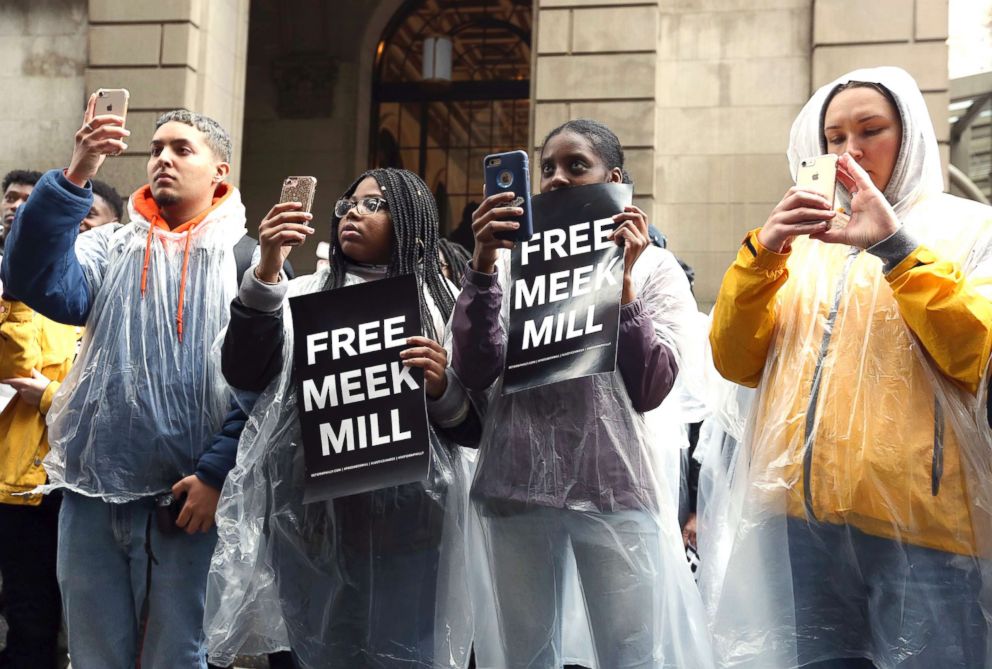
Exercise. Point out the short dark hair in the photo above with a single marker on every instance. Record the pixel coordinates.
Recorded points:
(217, 138)
(26, 177)
(110, 195)
(604, 142)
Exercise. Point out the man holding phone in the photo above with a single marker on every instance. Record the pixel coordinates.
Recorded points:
(135, 421)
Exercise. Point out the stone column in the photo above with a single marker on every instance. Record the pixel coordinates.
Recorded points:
(911, 34)
(168, 54)
(599, 62)
(732, 75)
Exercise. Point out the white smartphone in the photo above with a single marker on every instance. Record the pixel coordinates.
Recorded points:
(819, 175)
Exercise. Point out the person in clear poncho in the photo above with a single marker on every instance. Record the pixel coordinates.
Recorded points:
(370, 580)
(568, 487)
(859, 514)
(135, 418)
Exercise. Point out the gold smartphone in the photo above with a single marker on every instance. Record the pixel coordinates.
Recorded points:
(112, 101)
(819, 175)
(299, 189)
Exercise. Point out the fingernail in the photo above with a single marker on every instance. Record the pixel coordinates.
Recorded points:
(516, 225)
(309, 216)
(518, 211)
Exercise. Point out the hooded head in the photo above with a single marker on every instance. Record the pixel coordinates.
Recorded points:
(916, 170)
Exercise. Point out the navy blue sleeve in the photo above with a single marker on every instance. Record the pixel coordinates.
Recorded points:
(219, 458)
(251, 355)
(40, 266)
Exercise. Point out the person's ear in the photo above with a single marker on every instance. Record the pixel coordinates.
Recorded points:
(615, 176)
(221, 172)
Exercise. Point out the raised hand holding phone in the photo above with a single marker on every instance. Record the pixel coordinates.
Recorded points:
(286, 225)
(504, 217)
(872, 218)
(806, 208)
(101, 135)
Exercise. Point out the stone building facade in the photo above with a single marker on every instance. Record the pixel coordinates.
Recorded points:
(701, 92)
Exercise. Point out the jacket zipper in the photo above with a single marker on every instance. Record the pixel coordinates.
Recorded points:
(815, 388)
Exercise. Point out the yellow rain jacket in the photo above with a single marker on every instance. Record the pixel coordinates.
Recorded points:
(28, 341)
(849, 362)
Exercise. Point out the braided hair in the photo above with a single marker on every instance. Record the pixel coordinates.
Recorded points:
(456, 257)
(604, 142)
(414, 215)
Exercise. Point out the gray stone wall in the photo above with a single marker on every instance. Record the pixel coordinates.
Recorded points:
(42, 64)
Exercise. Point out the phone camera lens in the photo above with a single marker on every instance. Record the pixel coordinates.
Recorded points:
(505, 179)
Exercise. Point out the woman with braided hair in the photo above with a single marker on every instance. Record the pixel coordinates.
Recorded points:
(369, 580)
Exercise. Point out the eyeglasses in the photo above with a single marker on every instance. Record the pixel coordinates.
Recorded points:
(365, 206)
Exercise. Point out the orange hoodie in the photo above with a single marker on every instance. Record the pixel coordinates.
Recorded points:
(145, 205)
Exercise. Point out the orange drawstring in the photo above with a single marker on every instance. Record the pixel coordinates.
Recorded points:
(182, 287)
(148, 258)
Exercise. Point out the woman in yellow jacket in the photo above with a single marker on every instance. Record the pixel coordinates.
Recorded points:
(861, 505)
(35, 355)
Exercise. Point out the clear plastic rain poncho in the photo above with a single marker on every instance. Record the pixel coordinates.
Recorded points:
(145, 397)
(859, 512)
(380, 574)
(579, 553)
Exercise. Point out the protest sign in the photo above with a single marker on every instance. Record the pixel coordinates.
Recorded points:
(362, 412)
(565, 289)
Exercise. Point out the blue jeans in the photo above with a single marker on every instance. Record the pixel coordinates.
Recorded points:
(861, 596)
(102, 570)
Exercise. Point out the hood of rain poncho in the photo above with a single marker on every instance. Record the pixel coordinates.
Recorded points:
(145, 397)
(532, 444)
(896, 454)
(917, 171)
(281, 568)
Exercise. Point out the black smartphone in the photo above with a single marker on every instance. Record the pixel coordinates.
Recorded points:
(510, 172)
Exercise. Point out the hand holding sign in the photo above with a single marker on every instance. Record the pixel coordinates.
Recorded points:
(433, 359)
(631, 233)
(486, 222)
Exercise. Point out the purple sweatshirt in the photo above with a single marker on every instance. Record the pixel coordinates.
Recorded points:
(577, 444)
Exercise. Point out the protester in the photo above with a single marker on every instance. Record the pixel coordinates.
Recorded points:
(17, 186)
(108, 207)
(454, 259)
(861, 527)
(565, 470)
(132, 427)
(35, 355)
(368, 580)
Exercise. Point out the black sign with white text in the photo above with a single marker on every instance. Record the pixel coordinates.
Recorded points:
(362, 412)
(566, 287)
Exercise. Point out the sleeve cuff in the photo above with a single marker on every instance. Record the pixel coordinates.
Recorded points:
(753, 254)
(261, 296)
(479, 279)
(15, 311)
(64, 183)
(209, 478)
(451, 408)
(46, 397)
(631, 310)
(894, 249)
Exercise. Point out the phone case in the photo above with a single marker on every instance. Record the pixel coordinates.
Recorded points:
(511, 172)
(819, 175)
(299, 189)
(112, 101)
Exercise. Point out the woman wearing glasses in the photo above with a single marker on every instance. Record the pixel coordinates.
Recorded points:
(360, 581)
